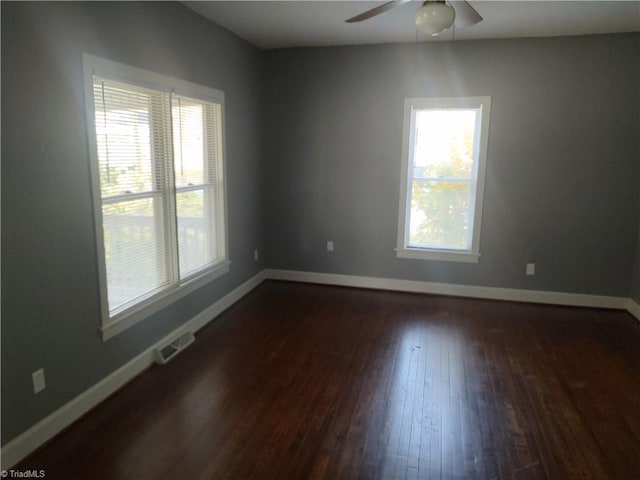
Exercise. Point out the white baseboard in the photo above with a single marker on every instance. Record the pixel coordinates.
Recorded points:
(28, 441)
(634, 309)
(492, 293)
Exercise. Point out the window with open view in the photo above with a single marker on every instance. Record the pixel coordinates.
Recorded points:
(157, 157)
(443, 168)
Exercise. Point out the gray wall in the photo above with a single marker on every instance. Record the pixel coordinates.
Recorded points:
(563, 159)
(50, 308)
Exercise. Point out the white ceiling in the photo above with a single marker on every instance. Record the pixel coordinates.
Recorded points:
(278, 24)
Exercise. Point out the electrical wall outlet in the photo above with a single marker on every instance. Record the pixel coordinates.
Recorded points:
(531, 268)
(329, 245)
(38, 380)
(255, 254)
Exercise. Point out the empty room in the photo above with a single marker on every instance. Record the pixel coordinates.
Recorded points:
(320, 240)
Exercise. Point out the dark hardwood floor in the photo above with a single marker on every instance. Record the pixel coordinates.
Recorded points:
(315, 382)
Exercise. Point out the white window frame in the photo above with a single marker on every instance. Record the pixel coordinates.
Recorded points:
(411, 106)
(96, 66)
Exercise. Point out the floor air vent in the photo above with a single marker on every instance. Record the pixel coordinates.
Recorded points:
(173, 347)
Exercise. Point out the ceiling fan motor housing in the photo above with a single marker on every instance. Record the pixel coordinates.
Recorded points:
(435, 17)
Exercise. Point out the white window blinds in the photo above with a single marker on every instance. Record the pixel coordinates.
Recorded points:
(199, 187)
(161, 191)
(133, 156)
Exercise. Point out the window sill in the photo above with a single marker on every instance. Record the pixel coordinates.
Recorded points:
(154, 304)
(441, 255)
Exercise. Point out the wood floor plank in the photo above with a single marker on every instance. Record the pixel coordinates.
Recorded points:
(314, 382)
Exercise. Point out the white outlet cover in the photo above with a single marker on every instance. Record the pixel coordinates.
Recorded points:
(329, 246)
(531, 268)
(38, 380)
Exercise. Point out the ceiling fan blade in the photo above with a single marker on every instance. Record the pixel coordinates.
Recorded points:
(466, 15)
(376, 11)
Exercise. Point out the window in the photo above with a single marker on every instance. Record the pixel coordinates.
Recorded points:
(443, 166)
(157, 157)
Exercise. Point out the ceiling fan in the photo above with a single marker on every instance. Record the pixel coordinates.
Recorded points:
(433, 17)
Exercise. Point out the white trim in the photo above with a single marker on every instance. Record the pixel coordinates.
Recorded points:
(175, 287)
(38, 434)
(103, 67)
(440, 255)
(472, 291)
(634, 309)
(482, 106)
(160, 301)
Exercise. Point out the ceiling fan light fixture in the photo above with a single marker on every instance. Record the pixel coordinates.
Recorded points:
(435, 17)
